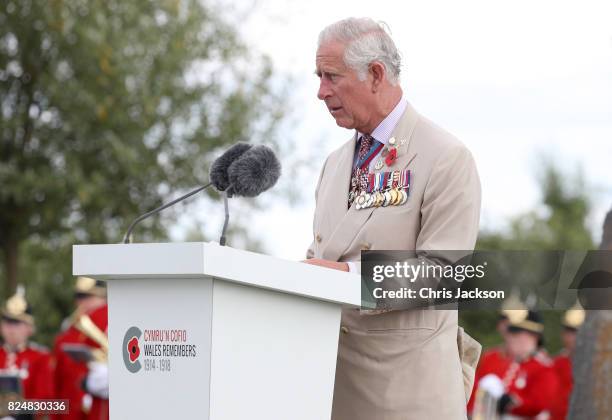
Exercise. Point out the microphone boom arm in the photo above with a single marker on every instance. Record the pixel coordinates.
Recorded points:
(128, 234)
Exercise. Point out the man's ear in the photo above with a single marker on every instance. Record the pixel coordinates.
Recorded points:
(377, 71)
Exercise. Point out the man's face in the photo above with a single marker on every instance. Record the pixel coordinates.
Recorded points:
(521, 343)
(348, 99)
(568, 337)
(87, 303)
(15, 333)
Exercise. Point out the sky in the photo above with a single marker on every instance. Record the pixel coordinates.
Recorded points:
(517, 82)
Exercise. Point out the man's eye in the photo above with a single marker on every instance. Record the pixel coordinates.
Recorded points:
(332, 77)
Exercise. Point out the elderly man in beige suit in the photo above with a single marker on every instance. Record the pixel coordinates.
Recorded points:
(398, 364)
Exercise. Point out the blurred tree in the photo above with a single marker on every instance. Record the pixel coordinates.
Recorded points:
(105, 106)
(559, 225)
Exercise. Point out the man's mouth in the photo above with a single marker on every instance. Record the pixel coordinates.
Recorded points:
(334, 110)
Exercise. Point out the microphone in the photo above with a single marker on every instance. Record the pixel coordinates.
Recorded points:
(218, 178)
(256, 171)
(243, 170)
(219, 170)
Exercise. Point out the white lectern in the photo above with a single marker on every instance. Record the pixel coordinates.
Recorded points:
(199, 330)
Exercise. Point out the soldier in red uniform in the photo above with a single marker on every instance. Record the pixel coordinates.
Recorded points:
(528, 386)
(493, 361)
(96, 381)
(496, 360)
(70, 373)
(27, 361)
(572, 320)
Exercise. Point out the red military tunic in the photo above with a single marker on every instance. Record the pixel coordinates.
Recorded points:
(99, 407)
(35, 367)
(69, 375)
(563, 368)
(533, 385)
(493, 361)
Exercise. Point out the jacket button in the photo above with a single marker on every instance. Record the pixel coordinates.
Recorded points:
(344, 329)
(318, 238)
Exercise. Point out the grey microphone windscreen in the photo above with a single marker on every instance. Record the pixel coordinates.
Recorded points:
(218, 171)
(255, 171)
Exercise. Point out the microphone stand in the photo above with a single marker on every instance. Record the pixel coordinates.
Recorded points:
(225, 222)
(128, 235)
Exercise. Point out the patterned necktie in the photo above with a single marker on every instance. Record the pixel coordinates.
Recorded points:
(359, 176)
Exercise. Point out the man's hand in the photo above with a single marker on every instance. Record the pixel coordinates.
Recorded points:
(342, 266)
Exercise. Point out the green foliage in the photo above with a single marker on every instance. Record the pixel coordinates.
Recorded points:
(559, 225)
(104, 107)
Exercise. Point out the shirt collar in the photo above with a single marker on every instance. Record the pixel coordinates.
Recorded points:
(15, 349)
(382, 133)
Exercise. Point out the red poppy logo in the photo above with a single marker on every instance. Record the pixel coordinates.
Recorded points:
(133, 349)
(391, 156)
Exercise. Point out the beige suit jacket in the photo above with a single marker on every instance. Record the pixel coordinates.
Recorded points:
(402, 364)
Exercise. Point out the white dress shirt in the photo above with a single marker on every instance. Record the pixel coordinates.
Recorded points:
(382, 133)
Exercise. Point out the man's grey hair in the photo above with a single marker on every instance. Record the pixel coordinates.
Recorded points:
(365, 41)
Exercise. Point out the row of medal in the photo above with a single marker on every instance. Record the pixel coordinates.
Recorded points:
(384, 189)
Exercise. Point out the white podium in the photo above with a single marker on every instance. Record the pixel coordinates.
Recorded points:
(202, 331)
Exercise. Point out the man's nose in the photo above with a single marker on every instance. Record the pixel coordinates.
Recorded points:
(324, 90)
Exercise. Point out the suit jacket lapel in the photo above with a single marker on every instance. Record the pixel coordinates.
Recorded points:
(351, 221)
(341, 179)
